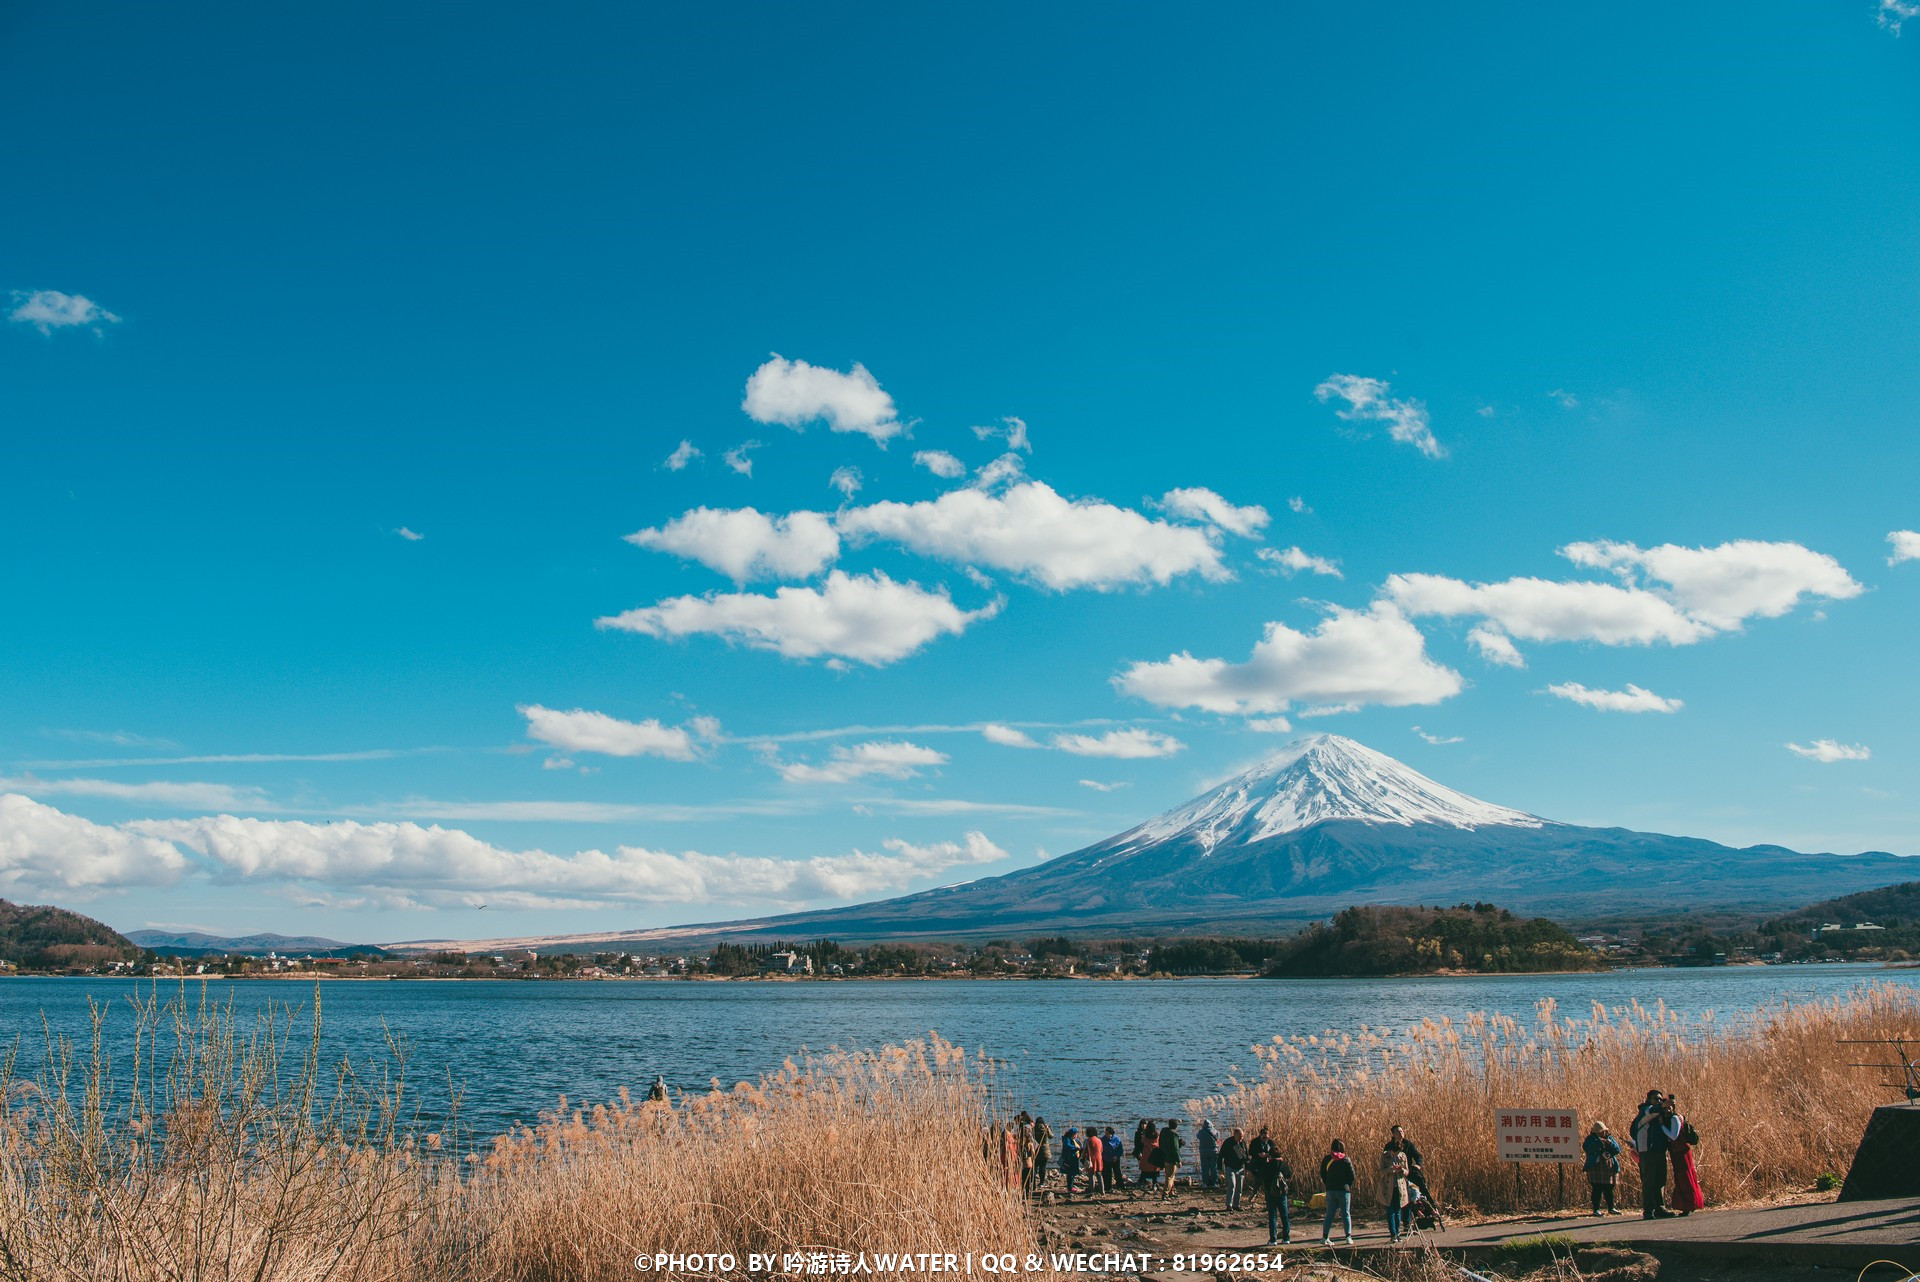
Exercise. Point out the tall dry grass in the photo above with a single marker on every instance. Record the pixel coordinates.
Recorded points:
(232, 1150)
(1773, 1098)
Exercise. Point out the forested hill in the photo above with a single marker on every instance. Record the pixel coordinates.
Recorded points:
(41, 937)
(1889, 906)
(1413, 941)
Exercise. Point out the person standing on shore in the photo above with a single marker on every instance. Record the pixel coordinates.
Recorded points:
(1601, 1159)
(1166, 1156)
(1207, 1145)
(1042, 1150)
(1112, 1158)
(1398, 1192)
(1093, 1155)
(1650, 1146)
(1146, 1138)
(1688, 1196)
(1337, 1176)
(1233, 1165)
(1274, 1178)
(1070, 1160)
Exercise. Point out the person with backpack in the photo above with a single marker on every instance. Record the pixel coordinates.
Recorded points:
(1649, 1135)
(1042, 1151)
(1274, 1178)
(1070, 1160)
(1682, 1139)
(1207, 1144)
(1600, 1157)
(1337, 1177)
(1233, 1166)
(1166, 1158)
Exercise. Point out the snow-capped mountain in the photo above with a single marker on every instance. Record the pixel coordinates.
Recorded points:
(1314, 780)
(1320, 825)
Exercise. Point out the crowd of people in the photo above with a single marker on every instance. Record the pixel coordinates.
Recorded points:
(1092, 1160)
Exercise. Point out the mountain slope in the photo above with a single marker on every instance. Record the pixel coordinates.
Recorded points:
(195, 943)
(42, 937)
(1323, 824)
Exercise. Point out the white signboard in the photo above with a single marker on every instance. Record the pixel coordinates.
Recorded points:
(1538, 1134)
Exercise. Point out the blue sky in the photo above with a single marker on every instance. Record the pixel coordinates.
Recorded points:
(1470, 307)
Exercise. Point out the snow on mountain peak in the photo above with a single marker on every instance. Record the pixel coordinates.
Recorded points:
(1311, 781)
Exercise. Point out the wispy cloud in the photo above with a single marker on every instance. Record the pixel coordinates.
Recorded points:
(1368, 400)
(581, 730)
(410, 536)
(1131, 745)
(846, 480)
(1893, 14)
(174, 795)
(882, 759)
(1292, 561)
(940, 463)
(1632, 699)
(1098, 786)
(683, 454)
(1011, 430)
(1438, 740)
(1829, 751)
(233, 759)
(740, 459)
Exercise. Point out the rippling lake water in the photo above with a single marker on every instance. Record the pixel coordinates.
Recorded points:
(1078, 1049)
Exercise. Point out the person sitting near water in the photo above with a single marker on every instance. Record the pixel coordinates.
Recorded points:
(1166, 1156)
(1337, 1176)
(1600, 1156)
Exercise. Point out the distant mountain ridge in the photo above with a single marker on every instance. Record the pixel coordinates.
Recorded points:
(1322, 824)
(193, 943)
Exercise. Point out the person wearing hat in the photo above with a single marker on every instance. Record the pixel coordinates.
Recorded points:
(1602, 1162)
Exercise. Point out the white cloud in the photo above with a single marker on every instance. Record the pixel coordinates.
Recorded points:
(1007, 736)
(1011, 430)
(740, 457)
(1005, 469)
(744, 544)
(1829, 751)
(1904, 545)
(579, 730)
(1291, 561)
(409, 535)
(1546, 610)
(795, 394)
(49, 309)
(47, 850)
(683, 454)
(1368, 402)
(1201, 504)
(1352, 657)
(1032, 531)
(180, 795)
(1631, 699)
(1438, 740)
(1299, 505)
(1097, 786)
(866, 618)
(1496, 646)
(1125, 745)
(1893, 13)
(846, 480)
(1564, 399)
(1721, 587)
(407, 864)
(940, 463)
(882, 759)
(1269, 725)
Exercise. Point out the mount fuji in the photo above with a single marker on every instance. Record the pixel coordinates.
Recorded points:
(1320, 825)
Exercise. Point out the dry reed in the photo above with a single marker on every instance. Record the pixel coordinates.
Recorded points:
(223, 1151)
(1772, 1097)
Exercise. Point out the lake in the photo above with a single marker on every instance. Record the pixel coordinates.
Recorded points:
(1077, 1049)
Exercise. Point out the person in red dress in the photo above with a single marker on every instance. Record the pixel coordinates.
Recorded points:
(1681, 1140)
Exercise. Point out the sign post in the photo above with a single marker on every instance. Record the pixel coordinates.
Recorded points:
(1538, 1135)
